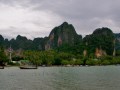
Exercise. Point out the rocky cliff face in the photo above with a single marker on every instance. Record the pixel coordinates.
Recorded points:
(63, 34)
(101, 38)
(117, 36)
(1, 39)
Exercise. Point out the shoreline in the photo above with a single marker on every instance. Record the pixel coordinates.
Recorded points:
(68, 66)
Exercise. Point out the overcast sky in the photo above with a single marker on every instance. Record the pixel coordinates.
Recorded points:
(36, 18)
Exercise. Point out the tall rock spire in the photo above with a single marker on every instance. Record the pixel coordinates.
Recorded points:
(63, 34)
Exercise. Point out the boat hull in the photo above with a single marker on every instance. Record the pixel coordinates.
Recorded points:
(28, 67)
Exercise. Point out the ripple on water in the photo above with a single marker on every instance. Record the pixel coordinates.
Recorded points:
(61, 78)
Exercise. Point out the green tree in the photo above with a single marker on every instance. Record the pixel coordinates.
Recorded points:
(3, 57)
(34, 57)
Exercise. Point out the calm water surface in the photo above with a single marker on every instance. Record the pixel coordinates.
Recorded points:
(61, 78)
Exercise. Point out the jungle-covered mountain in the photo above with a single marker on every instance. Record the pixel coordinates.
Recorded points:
(64, 34)
(117, 36)
(64, 38)
(101, 39)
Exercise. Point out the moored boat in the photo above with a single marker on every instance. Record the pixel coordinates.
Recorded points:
(28, 67)
(1, 67)
(26, 64)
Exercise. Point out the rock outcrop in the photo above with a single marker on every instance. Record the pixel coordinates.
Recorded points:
(102, 39)
(117, 39)
(63, 34)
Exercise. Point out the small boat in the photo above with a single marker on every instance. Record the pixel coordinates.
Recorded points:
(28, 67)
(26, 64)
(1, 67)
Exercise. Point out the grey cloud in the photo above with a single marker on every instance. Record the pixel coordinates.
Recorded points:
(85, 15)
(82, 10)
